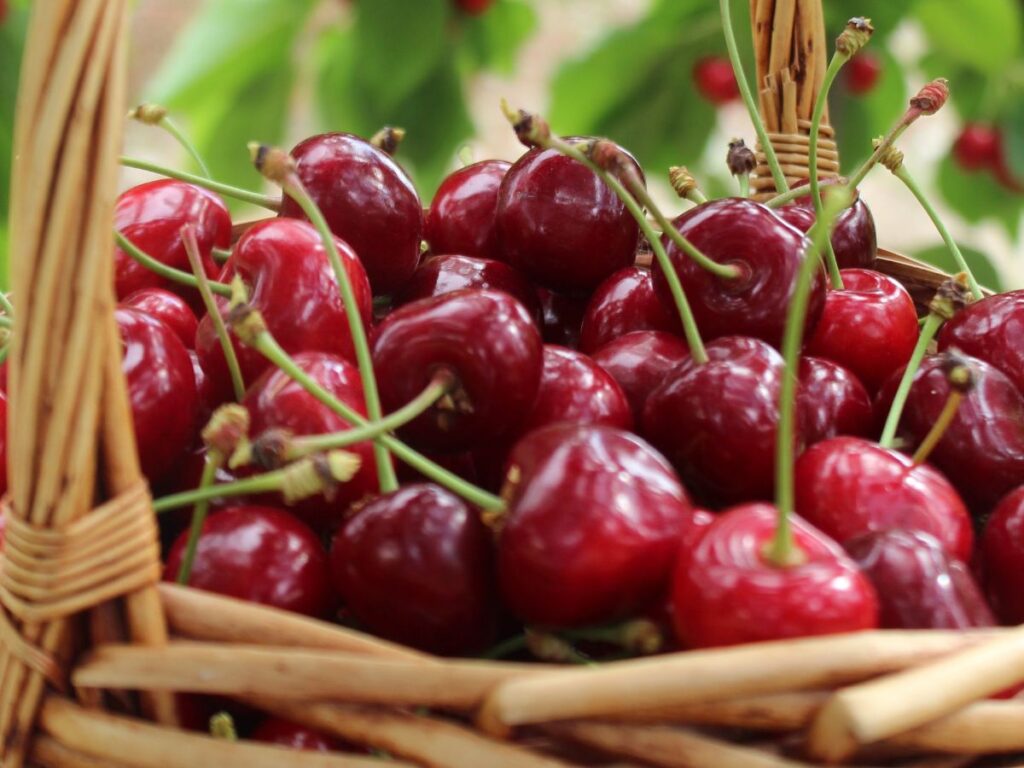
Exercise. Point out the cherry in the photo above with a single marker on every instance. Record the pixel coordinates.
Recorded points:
(286, 269)
(185, 477)
(161, 391)
(715, 81)
(151, 216)
(977, 147)
(276, 730)
(486, 339)
(830, 402)
(593, 525)
(167, 307)
(849, 487)
(474, 7)
(443, 274)
(769, 252)
(1001, 166)
(416, 566)
(275, 401)
(919, 585)
(561, 225)
(209, 397)
(368, 202)
(1002, 558)
(562, 317)
(462, 215)
(575, 388)
(262, 555)
(639, 362)
(726, 591)
(991, 330)
(862, 72)
(854, 238)
(625, 302)
(716, 422)
(869, 327)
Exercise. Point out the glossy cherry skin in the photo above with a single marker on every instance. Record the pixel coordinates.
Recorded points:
(982, 452)
(991, 330)
(275, 401)
(151, 216)
(593, 525)
(209, 397)
(869, 327)
(767, 250)
(161, 391)
(285, 267)
(830, 402)
(575, 388)
(854, 238)
(462, 215)
(368, 202)
(848, 487)
(262, 555)
(624, 303)
(715, 80)
(976, 147)
(276, 730)
(486, 339)
(862, 72)
(1002, 558)
(169, 308)
(726, 592)
(561, 225)
(562, 317)
(717, 422)
(439, 275)
(919, 585)
(417, 566)
(639, 362)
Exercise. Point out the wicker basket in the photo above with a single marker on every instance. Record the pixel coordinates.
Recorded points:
(93, 645)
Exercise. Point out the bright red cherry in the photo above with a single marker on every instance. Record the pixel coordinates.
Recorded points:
(575, 388)
(1002, 558)
(862, 72)
(830, 402)
(563, 317)
(262, 555)
(486, 340)
(368, 202)
(593, 525)
(151, 216)
(854, 238)
(919, 585)
(461, 218)
(561, 225)
(767, 250)
(991, 330)
(848, 487)
(417, 566)
(623, 303)
(639, 362)
(726, 592)
(284, 265)
(977, 147)
(161, 391)
(169, 308)
(276, 730)
(715, 80)
(869, 327)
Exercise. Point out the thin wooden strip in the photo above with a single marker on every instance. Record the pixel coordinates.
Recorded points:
(791, 158)
(782, 37)
(820, 51)
(762, 29)
(789, 711)
(825, 129)
(985, 727)
(789, 89)
(47, 752)
(804, 56)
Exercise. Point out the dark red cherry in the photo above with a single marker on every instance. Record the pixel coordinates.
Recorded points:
(976, 147)
(461, 218)
(561, 225)
(209, 399)
(869, 327)
(262, 555)
(854, 238)
(563, 317)
(623, 303)
(767, 250)
(284, 265)
(830, 402)
(862, 72)
(640, 362)
(717, 422)
(474, 7)
(443, 274)
(1002, 558)
(169, 308)
(276, 730)
(726, 592)
(185, 477)
(919, 585)
(849, 487)
(368, 202)
(275, 401)
(486, 339)
(161, 391)
(151, 216)
(715, 80)
(417, 566)
(991, 330)
(575, 388)
(593, 525)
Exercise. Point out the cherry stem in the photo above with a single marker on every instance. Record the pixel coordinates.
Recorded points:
(928, 331)
(294, 188)
(744, 180)
(787, 197)
(940, 426)
(172, 274)
(212, 463)
(172, 128)
(263, 483)
(897, 130)
(755, 116)
(838, 60)
(264, 201)
(220, 255)
(5, 305)
(903, 175)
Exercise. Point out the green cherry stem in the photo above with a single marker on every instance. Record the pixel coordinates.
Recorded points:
(213, 462)
(931, 326)
(744, 181)
(255, 198)
(787, 197)
(220, 255)
(264, 483)
(172, 274)
(172, 128)
(838, 60)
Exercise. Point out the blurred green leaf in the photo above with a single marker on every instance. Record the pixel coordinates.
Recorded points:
(977, 196)
(982, 268)
(860, 118)
(492, 40)
(984, 34)
(1012, 127)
